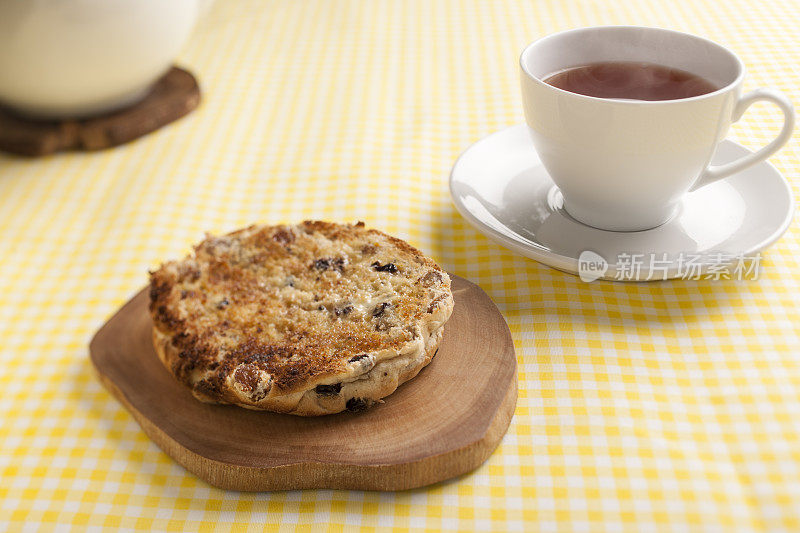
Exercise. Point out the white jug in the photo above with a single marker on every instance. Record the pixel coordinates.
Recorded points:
(77, 58)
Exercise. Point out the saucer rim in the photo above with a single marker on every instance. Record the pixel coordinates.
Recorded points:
(567, 264)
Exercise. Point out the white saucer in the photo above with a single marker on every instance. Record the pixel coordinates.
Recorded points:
(499, 185)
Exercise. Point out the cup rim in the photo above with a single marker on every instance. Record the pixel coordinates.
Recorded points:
(723, 89)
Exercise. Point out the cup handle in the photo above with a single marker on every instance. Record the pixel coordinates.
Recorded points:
(717, 172)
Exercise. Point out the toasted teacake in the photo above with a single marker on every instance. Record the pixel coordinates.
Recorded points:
(308, 319)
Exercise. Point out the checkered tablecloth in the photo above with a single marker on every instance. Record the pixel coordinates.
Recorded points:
(659, 406)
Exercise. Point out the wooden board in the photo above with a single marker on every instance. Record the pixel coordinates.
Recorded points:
(174, 95)
(443, 423)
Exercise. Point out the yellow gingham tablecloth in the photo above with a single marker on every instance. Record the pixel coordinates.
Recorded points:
(654, 406)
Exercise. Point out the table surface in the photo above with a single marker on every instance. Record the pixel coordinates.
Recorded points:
(665, 405)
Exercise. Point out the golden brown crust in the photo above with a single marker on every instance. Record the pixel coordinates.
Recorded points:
(360, 393)
(267, 313)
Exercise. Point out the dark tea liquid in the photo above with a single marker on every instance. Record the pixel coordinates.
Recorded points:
(630, 81)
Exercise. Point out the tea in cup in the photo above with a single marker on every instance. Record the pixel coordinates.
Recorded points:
(626, 119)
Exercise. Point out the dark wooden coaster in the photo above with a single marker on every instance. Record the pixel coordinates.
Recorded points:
(443, 423)
(174, 95)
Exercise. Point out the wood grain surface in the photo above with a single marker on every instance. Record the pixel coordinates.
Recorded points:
(443, 423)
(174, 95)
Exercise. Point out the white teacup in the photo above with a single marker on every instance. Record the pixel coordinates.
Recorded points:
(76, 58)
(624, 165)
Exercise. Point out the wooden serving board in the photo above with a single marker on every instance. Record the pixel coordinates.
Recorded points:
(174, 95)
(443, 423)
